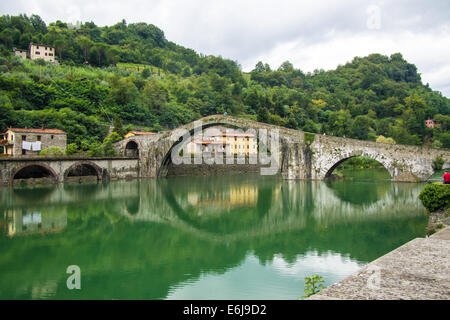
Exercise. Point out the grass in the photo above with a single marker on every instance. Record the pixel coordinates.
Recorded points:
(138, 67)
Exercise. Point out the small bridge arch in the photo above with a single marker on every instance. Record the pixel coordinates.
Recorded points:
(131, 149)
(33, 170)
(84, 169)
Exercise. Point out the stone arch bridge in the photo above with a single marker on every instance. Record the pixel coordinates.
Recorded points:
(67, 169)
(302, 155)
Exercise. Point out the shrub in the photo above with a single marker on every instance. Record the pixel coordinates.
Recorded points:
(96, 150)
(52, 151)
(72, 148)
(313, 285)
(382, 139)
(435, 197)
(438, 163)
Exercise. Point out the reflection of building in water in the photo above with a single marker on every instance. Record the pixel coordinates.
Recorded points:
(237, 196)
(24, 222)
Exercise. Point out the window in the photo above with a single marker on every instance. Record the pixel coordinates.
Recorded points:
(24, 151)
(51, 137)
(24, 138)
(37, 52)
(50, 54)
(37, 47)
(46, 54)
(38, 138)
(12, 137)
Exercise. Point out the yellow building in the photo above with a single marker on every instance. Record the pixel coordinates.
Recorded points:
(238, 142)
(234, 197)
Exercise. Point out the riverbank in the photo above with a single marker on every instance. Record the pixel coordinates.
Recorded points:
(417, 270)
(438, 220)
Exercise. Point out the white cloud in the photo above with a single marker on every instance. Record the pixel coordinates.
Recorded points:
(312, 263)
(428, 51)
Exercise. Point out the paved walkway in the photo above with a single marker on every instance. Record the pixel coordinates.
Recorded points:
(418, 270)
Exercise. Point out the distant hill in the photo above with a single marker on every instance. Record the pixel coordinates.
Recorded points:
(132, 73)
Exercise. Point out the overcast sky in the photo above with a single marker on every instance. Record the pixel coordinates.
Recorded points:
(318, 34)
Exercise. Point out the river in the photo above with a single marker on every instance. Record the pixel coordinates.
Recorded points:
(223, 237)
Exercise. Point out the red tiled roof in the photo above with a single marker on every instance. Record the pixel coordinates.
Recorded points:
(143, 133)
(40, 130)
(233, 134)
(207, 142)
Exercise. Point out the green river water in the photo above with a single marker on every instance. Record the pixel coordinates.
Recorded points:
(227, 237)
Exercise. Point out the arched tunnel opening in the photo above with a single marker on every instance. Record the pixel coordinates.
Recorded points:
(34, 171)
(132, 149)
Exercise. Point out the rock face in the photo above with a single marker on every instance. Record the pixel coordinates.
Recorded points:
(303, 156)
(406, 177)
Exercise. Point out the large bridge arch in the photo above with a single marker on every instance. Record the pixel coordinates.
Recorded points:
(33, 170)
(171, 139)
(85, 168)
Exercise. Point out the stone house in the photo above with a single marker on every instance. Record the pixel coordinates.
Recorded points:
(39, 51)
(23, 141)
(20, 53)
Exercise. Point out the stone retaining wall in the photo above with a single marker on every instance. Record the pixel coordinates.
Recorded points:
(215, 169)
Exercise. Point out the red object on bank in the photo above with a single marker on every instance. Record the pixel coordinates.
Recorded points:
(446, 177)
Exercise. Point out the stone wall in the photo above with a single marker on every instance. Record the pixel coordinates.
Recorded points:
(214, 169)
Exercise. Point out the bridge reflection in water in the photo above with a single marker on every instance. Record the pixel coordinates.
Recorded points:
(154, 239)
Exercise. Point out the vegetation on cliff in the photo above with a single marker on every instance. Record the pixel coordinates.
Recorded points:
(133, 73)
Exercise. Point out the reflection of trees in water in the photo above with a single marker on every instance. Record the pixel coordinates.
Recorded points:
(362, 186)
(114, 248)
(152, 258)
(359, 193)
(84, 192)
(220, 217)
(132, 205)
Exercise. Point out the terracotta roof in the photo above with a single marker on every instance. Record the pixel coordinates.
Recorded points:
(143, 133)
(40, 130)
(207, 142)
(232, 134)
